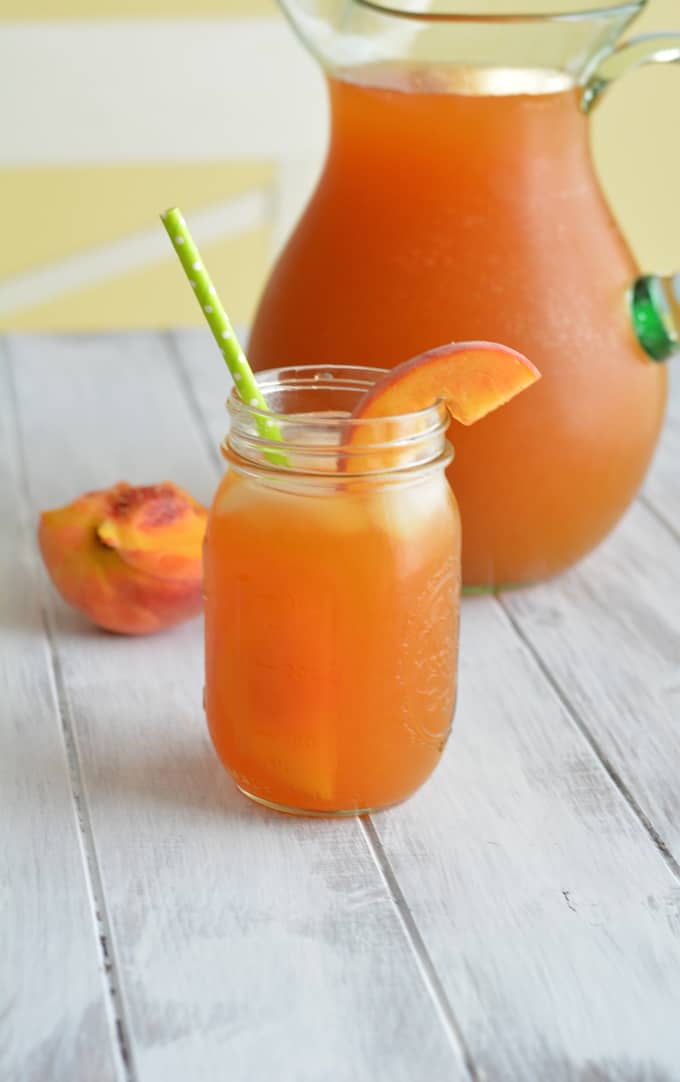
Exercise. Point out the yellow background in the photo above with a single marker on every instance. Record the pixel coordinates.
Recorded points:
(54, 212)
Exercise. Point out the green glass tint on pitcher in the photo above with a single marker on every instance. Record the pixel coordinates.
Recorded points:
(656, 314)
(459, 201)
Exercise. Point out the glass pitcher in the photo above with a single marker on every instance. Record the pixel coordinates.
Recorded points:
(459, 201)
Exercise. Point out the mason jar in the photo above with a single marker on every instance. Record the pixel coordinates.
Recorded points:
(332, 577)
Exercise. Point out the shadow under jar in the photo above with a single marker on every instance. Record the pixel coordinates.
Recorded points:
(332, 579)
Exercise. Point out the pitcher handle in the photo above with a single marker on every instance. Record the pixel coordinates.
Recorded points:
(654, 298)
(660, 48)
(655, 311)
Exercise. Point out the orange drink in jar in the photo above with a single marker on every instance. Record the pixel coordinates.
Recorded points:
(332, 571)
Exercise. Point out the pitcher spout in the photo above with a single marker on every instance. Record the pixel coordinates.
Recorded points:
(315, 22)
(344, 34)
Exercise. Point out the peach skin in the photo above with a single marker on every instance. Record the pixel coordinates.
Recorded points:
(129, 558)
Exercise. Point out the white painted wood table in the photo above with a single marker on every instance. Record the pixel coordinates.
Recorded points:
(518, 919)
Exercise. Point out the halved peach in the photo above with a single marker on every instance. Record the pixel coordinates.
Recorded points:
(129, 558)
(471, 378)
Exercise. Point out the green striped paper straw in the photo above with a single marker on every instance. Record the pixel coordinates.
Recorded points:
(218, 321)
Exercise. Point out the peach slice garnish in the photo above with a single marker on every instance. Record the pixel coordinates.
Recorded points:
(471, 378)
(128, 558)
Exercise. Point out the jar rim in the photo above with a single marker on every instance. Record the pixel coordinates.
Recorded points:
(326, 441)
(298, 377)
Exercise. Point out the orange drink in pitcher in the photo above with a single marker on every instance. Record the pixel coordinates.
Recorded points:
(459, 200)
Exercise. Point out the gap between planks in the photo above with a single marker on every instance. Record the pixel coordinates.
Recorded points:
(582, 728)
(426, 967)
(659, 516)
(109, 967)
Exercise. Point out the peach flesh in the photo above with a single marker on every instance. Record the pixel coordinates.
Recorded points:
(128, 558)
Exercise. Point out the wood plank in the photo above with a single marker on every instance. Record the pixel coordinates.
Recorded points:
(247, 944)
(207, 381)
(662, 488)
(609, 632)
(546, 909)
(55, 1016)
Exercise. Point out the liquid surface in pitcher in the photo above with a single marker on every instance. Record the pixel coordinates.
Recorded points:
(462, 203)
